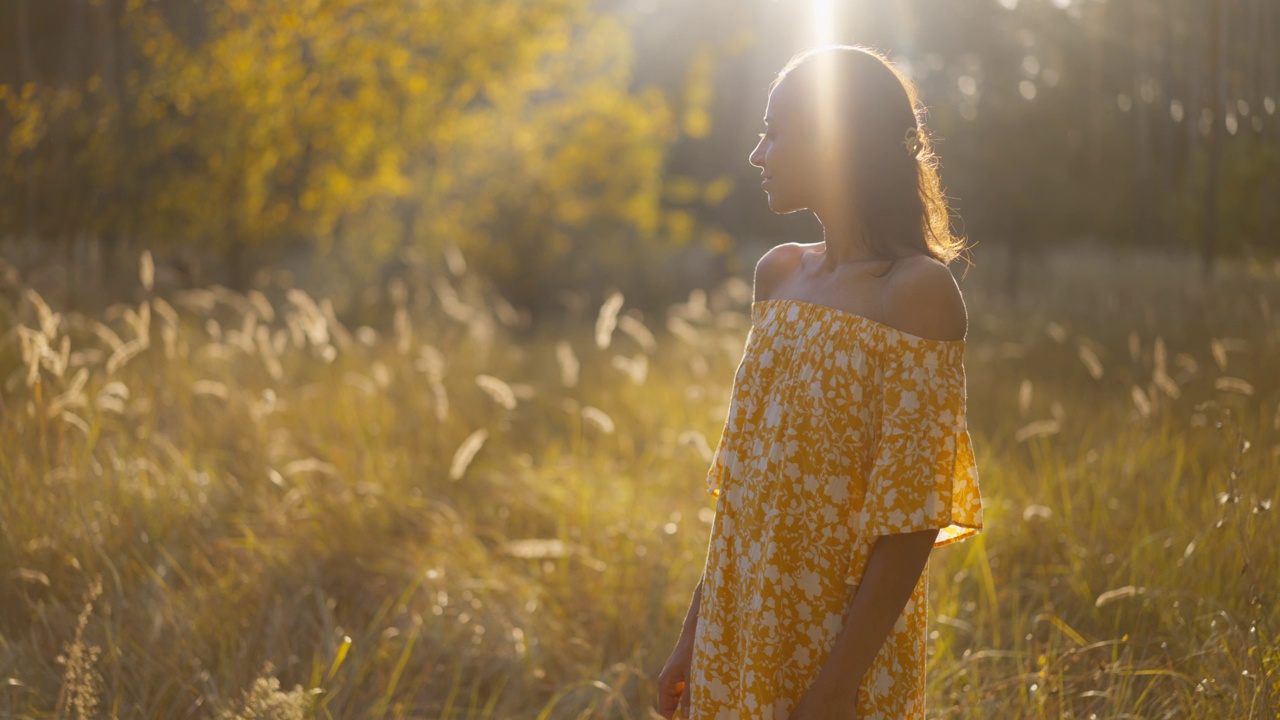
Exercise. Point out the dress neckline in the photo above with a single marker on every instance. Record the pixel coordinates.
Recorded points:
(887, 329)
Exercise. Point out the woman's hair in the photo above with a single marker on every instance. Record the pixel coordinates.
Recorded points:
(871, 114)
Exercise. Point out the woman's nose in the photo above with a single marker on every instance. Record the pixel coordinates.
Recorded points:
(756, 158)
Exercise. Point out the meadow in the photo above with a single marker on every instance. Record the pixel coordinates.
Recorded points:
(234, 505)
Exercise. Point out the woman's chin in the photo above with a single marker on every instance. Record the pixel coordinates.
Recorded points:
(781, 205)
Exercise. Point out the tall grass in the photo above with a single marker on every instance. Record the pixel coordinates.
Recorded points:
(227, 505)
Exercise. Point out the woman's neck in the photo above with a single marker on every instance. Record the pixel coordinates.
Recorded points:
(842, 242)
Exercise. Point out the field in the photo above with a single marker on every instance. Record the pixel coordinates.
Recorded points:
(226, 505)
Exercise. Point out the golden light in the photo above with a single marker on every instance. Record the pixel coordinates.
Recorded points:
(824, 22)
(823, 32)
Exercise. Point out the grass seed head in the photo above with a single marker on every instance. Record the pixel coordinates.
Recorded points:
(599, 418)
(1141, 401)
(636, 368)
(637, 331)
(264, 700)
(466, 452)
(147, 270)
(1091, 361)
(81, 681)
(607, 320)
(568, 363)
(497, 389)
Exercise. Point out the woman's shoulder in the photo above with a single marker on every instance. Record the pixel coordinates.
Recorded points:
(776, 265)
(921, 297)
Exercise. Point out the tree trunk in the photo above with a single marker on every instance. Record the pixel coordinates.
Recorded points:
(1213, 141)
(237, 266)
(1165, 152)
(1143, 185)
(27, 73)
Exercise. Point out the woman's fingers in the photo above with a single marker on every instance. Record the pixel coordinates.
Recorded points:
(673, 684)
(669, 698)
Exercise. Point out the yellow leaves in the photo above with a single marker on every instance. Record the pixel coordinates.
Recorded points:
(337, 182)
(697, 122)
(717, 190)
(698, 94)
(293, 117)
(685, 190)
(643, 213)
(416, 84)
(389, 177)
(289, 21)
(680, 225)
(719, 242)
(682, 190)
(29, 126)
(398, 59)
(279, 213)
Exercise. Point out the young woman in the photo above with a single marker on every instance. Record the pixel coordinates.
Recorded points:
(845, 457)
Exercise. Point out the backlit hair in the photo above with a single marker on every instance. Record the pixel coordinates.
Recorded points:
(869, 108)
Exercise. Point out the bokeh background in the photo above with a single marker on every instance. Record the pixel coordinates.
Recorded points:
(363, 358)
(581, 144)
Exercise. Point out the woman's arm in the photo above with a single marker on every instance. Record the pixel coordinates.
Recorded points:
(892, 572)
(673, 681)
(691, 617)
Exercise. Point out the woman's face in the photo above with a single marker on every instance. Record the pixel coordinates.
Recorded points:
(785, 153)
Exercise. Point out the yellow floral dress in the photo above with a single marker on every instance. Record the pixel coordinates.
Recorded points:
(840, 429)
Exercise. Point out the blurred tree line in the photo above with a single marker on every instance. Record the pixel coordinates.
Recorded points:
(1121, 122)
(363, 132)
(578, 144)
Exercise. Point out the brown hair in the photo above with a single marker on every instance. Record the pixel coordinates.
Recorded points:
(885, 152)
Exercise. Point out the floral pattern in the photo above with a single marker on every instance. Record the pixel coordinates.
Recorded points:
(840, 429)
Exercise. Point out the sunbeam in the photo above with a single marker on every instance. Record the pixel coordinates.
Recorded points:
(824, 26)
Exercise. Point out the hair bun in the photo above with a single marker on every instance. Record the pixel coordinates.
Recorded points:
(913, 141)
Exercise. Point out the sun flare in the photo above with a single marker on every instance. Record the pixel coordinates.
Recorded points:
(824, 30)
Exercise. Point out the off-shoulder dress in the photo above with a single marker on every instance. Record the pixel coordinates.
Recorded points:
(840, 429)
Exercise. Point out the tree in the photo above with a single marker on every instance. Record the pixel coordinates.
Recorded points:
(363, 128)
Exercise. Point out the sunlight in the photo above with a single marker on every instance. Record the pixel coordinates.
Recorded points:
(824, 33)
(824, 26)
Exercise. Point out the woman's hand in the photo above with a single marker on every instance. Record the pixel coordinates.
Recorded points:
(827, 700)
(673, 681)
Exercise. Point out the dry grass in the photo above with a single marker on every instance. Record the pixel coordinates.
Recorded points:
(214, 497)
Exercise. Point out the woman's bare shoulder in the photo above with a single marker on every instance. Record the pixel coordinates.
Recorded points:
(777, 265)
(921, 297)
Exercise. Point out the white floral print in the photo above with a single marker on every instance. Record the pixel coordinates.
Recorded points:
(840, 429)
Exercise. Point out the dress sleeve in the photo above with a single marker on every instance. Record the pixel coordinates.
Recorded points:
(924, 475)
(716, 472)
(724, 461)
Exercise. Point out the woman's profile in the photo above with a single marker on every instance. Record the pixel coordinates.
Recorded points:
(845, 456)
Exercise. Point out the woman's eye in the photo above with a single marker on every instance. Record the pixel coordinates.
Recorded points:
(764, 134)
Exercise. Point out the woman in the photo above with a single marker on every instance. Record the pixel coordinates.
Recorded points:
(845, 456)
